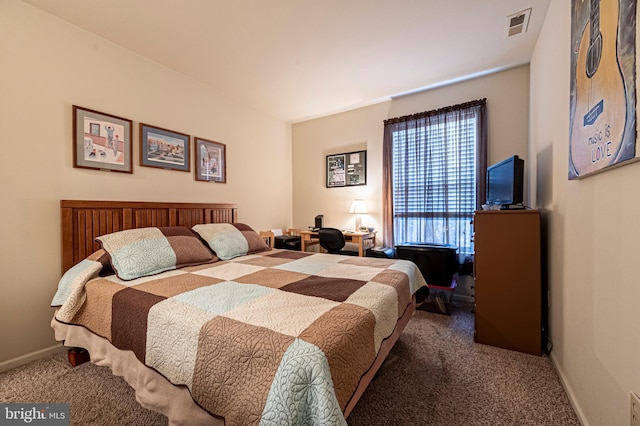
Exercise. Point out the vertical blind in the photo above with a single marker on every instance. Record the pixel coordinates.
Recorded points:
(434, 176)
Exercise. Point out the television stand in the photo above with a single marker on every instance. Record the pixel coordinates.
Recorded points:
(508, 280)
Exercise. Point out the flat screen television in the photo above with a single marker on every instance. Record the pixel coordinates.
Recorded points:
(505, 183)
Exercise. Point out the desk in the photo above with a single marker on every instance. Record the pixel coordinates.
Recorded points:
(364, 240)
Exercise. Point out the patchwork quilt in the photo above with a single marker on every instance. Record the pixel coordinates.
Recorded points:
(277, 337)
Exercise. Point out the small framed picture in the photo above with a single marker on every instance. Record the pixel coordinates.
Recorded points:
(101, 141)
(164, 149)
(348, 169)
(211, 161)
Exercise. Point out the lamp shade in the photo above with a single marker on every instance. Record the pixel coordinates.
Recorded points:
(358, 207)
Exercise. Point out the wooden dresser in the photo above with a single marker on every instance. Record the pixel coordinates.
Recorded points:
(507, 273)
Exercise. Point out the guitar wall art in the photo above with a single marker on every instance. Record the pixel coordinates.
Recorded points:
(602, 129)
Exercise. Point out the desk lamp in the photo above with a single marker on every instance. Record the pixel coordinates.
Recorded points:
(358, 207)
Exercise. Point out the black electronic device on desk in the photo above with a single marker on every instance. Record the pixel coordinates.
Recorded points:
(319, 223)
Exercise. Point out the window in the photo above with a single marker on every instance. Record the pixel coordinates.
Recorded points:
(434, 170)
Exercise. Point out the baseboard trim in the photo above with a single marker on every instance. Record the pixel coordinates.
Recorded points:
(32, 356)
(569, 391)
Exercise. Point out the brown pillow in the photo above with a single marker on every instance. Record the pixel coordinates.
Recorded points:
(136, 253)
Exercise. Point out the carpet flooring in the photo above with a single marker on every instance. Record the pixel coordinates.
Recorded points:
(435, 375)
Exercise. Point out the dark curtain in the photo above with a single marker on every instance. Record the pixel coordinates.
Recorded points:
(426, 167)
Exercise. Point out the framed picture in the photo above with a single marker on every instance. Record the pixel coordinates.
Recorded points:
(211, 161)
(164, 149)
(602, 127)
(348, 169)
(101, 141)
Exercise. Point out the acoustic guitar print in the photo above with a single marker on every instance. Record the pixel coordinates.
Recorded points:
(599, 119)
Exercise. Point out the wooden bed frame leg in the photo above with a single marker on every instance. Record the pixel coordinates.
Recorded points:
(77, 356)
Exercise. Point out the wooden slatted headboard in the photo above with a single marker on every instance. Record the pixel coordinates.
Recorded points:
(82, 221)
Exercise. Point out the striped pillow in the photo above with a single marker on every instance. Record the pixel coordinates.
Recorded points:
(229, 240)
(140, 252)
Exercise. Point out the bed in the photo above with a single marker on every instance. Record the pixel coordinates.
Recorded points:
(210, 325)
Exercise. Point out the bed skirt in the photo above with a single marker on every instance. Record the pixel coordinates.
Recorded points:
(153, 391)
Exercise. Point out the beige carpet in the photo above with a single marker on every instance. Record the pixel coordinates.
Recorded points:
(435, 375)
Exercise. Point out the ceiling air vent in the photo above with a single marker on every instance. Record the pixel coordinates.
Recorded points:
(517, 23)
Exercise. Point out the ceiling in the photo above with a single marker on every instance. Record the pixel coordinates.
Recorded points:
(301, 59)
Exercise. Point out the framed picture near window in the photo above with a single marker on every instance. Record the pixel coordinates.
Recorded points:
(164, 148)
(101, 141)
(211, 161)
(348, 169)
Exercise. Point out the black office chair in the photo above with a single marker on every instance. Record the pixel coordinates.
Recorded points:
(333, 242)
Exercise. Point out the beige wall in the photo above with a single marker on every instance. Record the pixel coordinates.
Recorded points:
(593, 248)
(47, 66)
(507, 96)
(312, 141)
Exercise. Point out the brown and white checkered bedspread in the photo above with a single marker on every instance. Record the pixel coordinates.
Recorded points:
(279, 337)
